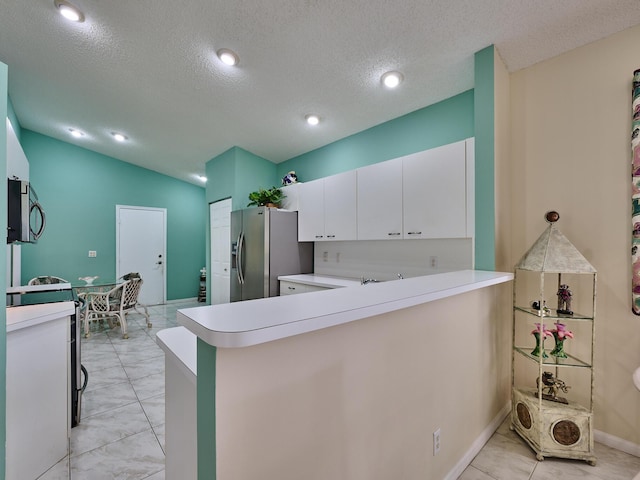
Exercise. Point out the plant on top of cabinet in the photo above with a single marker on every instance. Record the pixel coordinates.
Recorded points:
(270, 197)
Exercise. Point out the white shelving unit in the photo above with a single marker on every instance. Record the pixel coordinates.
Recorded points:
(550, 427)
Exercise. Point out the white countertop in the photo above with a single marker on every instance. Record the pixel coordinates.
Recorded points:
(180, 345)
(253, 322)
(31, 315)
(321, 280)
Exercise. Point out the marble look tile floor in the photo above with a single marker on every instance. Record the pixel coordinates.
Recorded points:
(121, 433)
(507, 457)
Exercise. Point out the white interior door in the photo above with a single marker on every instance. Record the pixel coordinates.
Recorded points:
(220, 221)
(141, 247)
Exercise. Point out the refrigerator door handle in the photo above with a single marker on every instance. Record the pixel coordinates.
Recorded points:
(239, 258)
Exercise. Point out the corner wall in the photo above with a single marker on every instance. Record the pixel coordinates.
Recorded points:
(3, 269)
(79, 189)
(444, 122)
(361, 400)
(571, 152)
(484, 122)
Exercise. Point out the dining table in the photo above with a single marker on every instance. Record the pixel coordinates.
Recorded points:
(83, 288)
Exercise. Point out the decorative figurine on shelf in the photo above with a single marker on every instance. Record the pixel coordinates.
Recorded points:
(290, 178)
(564, 300)
(560, 334)
(540, 332)
(545, 310)
(552, 385)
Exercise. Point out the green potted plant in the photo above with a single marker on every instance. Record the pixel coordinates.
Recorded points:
(270, 197)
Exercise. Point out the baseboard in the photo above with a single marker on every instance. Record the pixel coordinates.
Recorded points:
(617, 443)
(478, 443)
(182, 300)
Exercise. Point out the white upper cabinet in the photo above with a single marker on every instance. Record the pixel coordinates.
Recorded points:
(290, 201)
(428, 194)
(434, 193)
(311, 211)
(340, 206)
(380, 201)
(327, 208)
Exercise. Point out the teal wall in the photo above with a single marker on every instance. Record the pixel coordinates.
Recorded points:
(444, 122)
(485, 150)
(220, 173)
(252, 172)
(235, 174)
(79, 190)
(3, 268)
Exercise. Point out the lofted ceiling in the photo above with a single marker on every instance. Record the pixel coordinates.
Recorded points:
(148, 68)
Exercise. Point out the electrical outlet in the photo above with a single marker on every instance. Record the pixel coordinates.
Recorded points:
(325, 256)
(433, 261)
(92, 253)
(436, 442)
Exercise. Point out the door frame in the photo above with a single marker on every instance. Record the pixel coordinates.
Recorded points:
(164, 243)
(212, 246)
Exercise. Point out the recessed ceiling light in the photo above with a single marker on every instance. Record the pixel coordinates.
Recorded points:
(391, 79)
(202, 178)
(119, 137)
(76, 133)
(312, 119)
(228, 57)
(69, 11)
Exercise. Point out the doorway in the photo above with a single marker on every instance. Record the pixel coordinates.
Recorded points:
(220, 238)
(141, 234)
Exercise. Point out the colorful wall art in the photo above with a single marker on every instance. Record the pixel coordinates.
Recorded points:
(635, 193)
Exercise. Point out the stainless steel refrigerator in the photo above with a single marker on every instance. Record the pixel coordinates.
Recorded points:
(264, 245)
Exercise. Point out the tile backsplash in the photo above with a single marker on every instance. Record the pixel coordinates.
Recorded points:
(384, 259)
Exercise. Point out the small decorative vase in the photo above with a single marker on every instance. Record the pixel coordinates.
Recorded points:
(558, 351)
(539, 346)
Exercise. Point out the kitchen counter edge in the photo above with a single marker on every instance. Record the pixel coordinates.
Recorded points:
(253, 322)
(320, 280)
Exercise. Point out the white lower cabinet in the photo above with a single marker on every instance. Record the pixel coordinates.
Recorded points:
(37, 424)
(291, 288)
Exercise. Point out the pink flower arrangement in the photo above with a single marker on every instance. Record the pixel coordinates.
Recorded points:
(540, 332)
(541, 328)
(560, 334)
(561, 331)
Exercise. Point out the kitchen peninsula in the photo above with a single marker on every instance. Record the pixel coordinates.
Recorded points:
(345, 383)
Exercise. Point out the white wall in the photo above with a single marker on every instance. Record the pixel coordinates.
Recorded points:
(360, 401)
(384, 259)
(571, 152)
(17, 166)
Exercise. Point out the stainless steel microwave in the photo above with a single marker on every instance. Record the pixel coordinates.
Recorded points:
(25, 216)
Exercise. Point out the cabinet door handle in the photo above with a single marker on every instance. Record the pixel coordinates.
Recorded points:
(291, 288)
(331, 236)
(319, 236)
(414, 233)
(393, 233)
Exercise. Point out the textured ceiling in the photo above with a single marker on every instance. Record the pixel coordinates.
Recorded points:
(148, 68)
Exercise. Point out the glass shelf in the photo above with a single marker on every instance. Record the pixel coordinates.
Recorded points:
(553, 361)
(554, 315)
